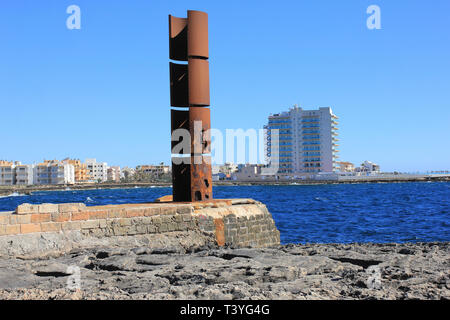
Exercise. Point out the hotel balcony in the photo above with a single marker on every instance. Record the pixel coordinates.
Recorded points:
(310, 139)
(310, 120)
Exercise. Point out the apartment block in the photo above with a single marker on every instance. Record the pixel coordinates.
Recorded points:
(24, 174)
(307, 140)
(114, 174)
(154, 170)
(7, 175)
(98, 171)
(345, 166)
(54, 172)
(81, 171)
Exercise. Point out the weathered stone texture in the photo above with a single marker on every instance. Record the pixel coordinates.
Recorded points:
(237, 222)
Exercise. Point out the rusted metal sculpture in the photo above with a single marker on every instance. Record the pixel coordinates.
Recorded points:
(189, 88)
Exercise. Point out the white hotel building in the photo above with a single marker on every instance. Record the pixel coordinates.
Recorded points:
(307, 140)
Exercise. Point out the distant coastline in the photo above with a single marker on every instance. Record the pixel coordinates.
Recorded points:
(26, 190)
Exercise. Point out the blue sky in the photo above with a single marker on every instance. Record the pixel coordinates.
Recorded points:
(103, 91)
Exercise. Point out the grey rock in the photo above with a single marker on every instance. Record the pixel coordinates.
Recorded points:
(202, 271)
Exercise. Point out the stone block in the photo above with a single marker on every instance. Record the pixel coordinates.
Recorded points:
(243, 230)
(12, 229)
(130, 230)
(171, 226)
(71, 207)
(48, 208)
(50, 226)
(182, 226)
(79, 216)
(60, 217)
(71, 225)
(102, 223)
(4, 219)
(185, 209)
(98, 233)
(20, 219)
(148, 212)
(27, 208)
(156, 220)
(163, 227)
(40, 217)
(30, 228)
(151, 229)
(89, 224)
(146, 220)
(141, 229)
(186, 217)
(168, 210)
(166, 219)
(119, 231)
(130, 213)
(125, 222)
(98, 214)
(114, 213)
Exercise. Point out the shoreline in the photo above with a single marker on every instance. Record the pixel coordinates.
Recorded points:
(28, 190)
(356, 271)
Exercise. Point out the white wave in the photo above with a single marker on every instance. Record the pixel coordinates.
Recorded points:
(14, 194)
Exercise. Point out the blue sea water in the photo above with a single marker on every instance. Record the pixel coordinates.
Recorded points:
(338, 213)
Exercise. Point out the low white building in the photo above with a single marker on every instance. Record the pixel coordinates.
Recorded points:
(97, 170)
(248, 172)
(7, 175)
(54, 172)
(368, 166)
(24, 174)
(114, 174)
(127, 173)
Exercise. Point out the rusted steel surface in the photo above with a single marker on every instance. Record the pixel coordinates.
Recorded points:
(198, 80)
(201, 179)
(189, 88)
(198, 34)
(191, 181)
(199, 126)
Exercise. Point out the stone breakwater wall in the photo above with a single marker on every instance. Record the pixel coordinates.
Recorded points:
(236, 222)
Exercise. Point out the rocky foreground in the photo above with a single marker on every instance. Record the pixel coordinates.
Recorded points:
(315, 271)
